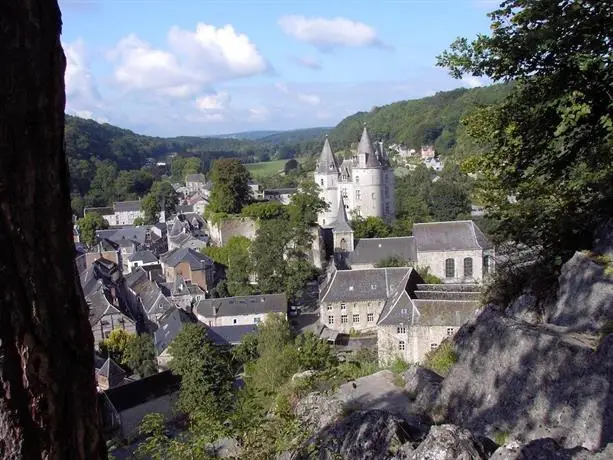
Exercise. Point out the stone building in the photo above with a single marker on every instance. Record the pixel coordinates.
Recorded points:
(364, 182)
(195, 183)
(191, 265)
(242, 310)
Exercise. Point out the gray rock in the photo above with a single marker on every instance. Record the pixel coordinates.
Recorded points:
(547, 449)
(317, 410)
(370, 435)
(225, 448)
(585, 296)
(525, 308)
(424, 386)
(450, 442)
(530, 382)
(303, 375)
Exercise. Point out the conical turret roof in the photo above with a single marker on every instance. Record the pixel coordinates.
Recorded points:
(327, 161)
(365, 146)
(341, 224)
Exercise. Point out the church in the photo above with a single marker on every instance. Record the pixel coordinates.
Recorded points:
(362, 185)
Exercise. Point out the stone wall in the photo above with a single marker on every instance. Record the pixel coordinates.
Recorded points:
(221, 233)
(436, 261)
(341, 311)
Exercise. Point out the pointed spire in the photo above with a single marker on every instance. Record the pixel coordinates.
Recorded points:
(327, 161)
(341, 224)
(365, 146)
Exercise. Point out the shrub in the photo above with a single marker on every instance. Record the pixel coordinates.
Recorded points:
(442, 359)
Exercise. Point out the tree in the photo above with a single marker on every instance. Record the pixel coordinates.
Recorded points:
(371, 227)
(235, 256)
(205, 370)
(114, 346)
(88, 225)
(549, 143)
(265, 210)
(230, 190)
(449, 201)
(161, 197)
(291, 165)
(151, 209)
(48, 400)
(139, 355)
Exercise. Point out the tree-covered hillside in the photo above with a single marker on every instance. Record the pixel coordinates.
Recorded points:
(430, 120)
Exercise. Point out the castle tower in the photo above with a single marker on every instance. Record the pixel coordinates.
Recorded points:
(326, 177)
(365, 150)
(342, 231)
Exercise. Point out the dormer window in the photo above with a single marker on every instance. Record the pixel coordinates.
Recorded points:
(373, 286)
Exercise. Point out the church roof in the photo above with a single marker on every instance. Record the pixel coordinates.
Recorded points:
(365, 146)
(450, 236)
(327, 160)
(341, 224)
(374, 250)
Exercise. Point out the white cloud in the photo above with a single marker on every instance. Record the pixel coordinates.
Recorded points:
(258, 114)
(194, 61)
(90, 116)
(311, 99)
(282, 87)
(329, 33)
(79, 80)
(472, 82)
(308, 62)
(217, 101)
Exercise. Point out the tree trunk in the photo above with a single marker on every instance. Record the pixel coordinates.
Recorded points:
(48, 403)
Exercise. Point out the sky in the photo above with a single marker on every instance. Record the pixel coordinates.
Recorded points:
(202, 67)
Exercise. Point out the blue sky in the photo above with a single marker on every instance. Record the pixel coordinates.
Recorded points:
(198, 67)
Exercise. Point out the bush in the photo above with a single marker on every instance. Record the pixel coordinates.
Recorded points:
(428, 277)
(442, 359)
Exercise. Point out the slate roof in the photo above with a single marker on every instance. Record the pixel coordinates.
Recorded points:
(196, 260)
(244, 305)
(146, 257)
(136, 278)
(141, 391)
(374, 250)
(195, 178)
(365, 146)
(88, 280)
(130, 233)
(103, 211)
(449, 236)
(169, 327)
(229, 335)
(112, 371)
(347, 169)
(341, 224)
(99, 306)
(444, 312)
(152, 298)
(183, 208)
(327, 161)
(369, 284)
(126, 206)
(280, 191)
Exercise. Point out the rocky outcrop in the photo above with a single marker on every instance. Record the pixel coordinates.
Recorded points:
(530, 382)
(371, 435)
(546, 449)
(585, 295)
(317, 411)
(525, 308)
(423, 386)
(450, 442)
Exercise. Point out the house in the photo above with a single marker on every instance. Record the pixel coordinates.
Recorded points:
(427, 152)
(229, 335)
(110, 375)
(142, 258)
(187, 230)
(131, 239)
(456, 252)
(183, 293)
(104, 316)
(195, 183)
(121, 213)
(244, 310)
(282, 195)
(169, 325)
(198, 201)
(192, 265)
(352, 300)
(122, 408)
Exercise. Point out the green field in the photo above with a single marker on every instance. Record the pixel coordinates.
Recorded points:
(266, 168)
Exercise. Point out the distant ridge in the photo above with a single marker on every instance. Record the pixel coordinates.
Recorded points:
(276, 137)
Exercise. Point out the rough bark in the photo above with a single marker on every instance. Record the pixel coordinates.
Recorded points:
(48, 398)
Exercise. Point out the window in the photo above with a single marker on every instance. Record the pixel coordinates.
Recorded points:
(343, 306)
(449, 268)
(370, 317)
(358, 195)
(321, 182)
(324, 221)
(468, 267)
(356, 318)
(256, 320)
(343, 319)
(486, 265)
(234, 321)
(345, 193)
(401, 330)
(329, 308)
(401, 345)
(330, 319)
(343, 244)
(373, 196)
(433, 346)
(357, 179)
(449, 331)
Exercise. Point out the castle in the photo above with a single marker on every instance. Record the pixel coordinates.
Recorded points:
(363, 184)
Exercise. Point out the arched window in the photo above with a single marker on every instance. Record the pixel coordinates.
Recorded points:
(468, 267)
(449, 268)
(486, 265)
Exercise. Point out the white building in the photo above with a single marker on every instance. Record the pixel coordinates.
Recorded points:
(237, 311)
(195, 183)
(365, 182)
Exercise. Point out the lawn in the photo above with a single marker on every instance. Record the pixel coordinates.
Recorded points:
(266, 168)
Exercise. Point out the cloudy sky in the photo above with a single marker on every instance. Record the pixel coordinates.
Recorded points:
(198, 67)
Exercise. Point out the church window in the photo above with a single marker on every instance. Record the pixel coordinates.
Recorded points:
(329, 308)
(449, 268)
(343, 306)
(468, 267)
(343, 244)
(356, 318)
(343, 319)
(330, 319)
(401, 345)
(401, 330)
(370, 317)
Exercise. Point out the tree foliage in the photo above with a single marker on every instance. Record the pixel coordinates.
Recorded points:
(114, 346)
(369, 227)
(139, 355)
(230, 190)
(549, 143)
(162, 197)
(88, 226)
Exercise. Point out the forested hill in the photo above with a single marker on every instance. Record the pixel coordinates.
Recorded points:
(429, 120)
